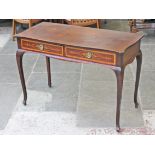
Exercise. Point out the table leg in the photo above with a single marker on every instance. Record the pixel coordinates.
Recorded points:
(48, 70)
(19, 57)
(139, 62)
(120, 77)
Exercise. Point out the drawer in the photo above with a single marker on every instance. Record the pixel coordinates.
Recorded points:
(41, 47)
(97, 56)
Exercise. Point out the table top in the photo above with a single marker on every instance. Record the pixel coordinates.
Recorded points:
(72, 35)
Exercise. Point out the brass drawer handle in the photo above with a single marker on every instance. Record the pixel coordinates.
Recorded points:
(89, 55)
(40, 47)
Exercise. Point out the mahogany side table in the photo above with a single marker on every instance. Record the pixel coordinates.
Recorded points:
(112, 49)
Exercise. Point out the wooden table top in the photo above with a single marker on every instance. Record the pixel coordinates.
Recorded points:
(109, 40)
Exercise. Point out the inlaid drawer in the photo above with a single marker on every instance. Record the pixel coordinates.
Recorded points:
(98, 56)
(41, 47)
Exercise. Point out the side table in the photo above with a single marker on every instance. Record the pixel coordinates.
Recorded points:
(112, 49)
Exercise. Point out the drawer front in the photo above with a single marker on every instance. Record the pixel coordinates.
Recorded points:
(41, 47)
(102, 57)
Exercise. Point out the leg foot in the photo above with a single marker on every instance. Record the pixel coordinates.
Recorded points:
(136, 104)
(118, 129)
(24, 102)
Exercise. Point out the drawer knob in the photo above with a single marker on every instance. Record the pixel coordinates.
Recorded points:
(40, 47)
(89, 55)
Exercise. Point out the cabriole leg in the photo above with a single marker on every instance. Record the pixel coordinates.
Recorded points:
(48, 71)
(19, 57)
(120, 77)
(139, 63)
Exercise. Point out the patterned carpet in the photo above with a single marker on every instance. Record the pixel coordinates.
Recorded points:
(49, 123)
(32, 119)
